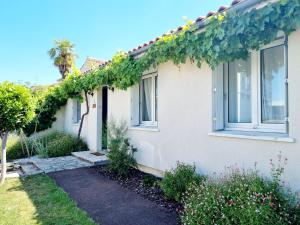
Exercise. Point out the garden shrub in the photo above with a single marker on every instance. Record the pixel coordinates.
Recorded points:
(149, 180)
(176, 181)
(240, 197)
(64, 145)
(46, 144)
(14, 148)
(121, 153)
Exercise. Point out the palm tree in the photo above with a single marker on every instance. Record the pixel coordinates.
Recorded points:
(63, 56)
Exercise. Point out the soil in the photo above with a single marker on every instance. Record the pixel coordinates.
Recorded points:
(137, 182)
(107, 202)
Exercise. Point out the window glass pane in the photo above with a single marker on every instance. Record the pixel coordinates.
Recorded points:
(78, 111)
(147, 99)
(273, 85)
(239, 91)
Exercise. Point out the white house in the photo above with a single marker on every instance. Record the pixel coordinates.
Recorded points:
(244, 112)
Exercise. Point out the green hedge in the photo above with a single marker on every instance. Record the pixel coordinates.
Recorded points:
(177, 180)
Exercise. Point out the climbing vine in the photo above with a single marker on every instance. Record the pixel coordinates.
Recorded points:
(225, 37)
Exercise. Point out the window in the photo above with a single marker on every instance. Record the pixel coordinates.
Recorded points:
(254, 92)
(273, 85)
(148, 100)
(239, 92)
(76, 111)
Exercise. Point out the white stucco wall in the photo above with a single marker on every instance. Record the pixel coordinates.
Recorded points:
(92, 125)
(185, 119)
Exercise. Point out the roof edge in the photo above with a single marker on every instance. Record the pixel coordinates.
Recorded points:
(201, 23)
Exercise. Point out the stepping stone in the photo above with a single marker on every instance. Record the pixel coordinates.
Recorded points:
(95, 158)
(30, 169)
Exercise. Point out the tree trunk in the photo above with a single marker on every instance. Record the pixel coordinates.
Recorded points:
(83, 115)
(3, 157)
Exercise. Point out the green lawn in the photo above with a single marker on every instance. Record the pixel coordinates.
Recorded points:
(37, 200)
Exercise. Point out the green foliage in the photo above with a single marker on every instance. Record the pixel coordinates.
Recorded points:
(149, 180)
(240, 197)
(227, 36)
(176, 181)
(63, 56)
(14, 148)
(47, 144)
(16, 108)
(104, 136)
(120, 152)
(65, 145)
(37, 200)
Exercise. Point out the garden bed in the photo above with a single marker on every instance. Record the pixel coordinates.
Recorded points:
(140, 183)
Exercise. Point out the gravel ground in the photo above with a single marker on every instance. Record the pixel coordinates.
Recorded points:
(135, 182)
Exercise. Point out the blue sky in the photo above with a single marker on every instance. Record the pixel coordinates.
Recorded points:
(97, 28)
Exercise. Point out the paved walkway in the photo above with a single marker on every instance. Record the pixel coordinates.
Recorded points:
(48, 165)
(107, 202)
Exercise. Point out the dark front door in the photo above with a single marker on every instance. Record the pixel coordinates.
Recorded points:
(104, 117)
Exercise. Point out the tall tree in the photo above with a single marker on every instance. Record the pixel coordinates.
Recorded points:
(63, 56)
(16, 110)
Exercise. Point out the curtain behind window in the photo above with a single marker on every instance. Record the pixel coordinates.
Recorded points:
(147, 99)
(273, 85)
(239, 91)
(78, 111)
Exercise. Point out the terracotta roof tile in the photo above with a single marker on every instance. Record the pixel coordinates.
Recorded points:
(179, 28)
(222, 8)
(200, 18)
(234, 2)
(210, 13)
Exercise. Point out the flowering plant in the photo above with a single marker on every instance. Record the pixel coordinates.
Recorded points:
(242, 197)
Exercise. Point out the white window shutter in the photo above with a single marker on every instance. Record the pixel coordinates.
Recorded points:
(218, 98)
(135, 104)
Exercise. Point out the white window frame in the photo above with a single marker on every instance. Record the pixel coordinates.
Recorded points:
(76, 119)
(256, 75)
(154, 96)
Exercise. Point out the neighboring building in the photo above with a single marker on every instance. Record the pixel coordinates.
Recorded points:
(242, 113)
(90, 64)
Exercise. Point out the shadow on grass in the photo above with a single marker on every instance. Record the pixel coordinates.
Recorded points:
(39, 201)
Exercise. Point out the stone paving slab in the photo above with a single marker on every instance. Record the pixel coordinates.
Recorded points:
(90, 157)
(30, 169)
(48, 165)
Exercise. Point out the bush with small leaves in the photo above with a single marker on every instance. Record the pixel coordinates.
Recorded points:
(64, 145)
(176, 181)
(240, 197)
(120, 151)
(149, 180)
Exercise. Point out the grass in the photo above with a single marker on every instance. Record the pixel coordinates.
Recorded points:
(13, 148)
(36, 200)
